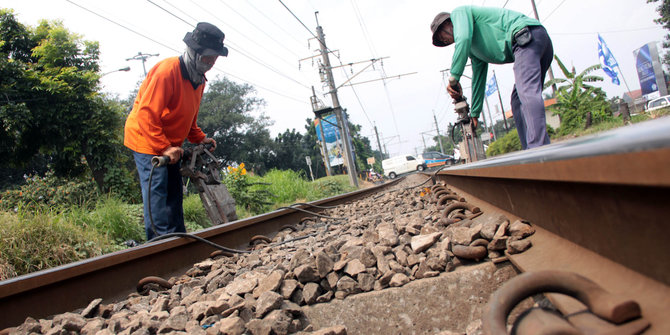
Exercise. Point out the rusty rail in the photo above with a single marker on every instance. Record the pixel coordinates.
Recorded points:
(599, 205)
(72, 286)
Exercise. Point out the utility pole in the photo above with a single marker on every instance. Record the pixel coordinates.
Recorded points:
(379, 145)
(143, 58)
(439, 138)
(500, 98)
(346, 144)
(493, 124)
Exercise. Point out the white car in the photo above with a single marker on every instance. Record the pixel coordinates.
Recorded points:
(658, 103)
(402, 164)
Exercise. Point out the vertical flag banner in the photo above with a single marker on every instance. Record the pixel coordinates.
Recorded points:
(607, 60)
(491, 86)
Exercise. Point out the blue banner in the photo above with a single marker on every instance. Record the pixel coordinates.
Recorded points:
(645, 70)
(491, 86)
(607, 60)
(333, 138)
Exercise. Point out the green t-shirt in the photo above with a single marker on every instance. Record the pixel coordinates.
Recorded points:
(485, 35)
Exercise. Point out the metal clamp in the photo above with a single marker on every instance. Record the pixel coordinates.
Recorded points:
(603, 304)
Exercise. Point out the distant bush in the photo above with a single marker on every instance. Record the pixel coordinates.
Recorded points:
(287, 186)
(508, 143)
(330, 186)
(50, 192)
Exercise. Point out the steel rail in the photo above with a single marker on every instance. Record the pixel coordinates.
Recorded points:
(600, 207)
(115, 275)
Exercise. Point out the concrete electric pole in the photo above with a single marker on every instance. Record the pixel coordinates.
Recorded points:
(439, 138)
(143, 58)
(346, 138)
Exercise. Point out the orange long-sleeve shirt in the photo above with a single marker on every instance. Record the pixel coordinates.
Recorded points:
(165, 110)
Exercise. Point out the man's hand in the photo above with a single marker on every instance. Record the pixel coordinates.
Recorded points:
(475, 122)
(455, 92)
(174, 153)
(211, 141)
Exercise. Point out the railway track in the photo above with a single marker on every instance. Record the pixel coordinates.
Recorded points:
(598, 206)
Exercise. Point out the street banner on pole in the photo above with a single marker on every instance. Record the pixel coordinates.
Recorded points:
(491, 86)
(607, 60)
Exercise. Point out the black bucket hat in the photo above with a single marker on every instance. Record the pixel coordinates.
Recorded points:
(206, 39)
(435, 27)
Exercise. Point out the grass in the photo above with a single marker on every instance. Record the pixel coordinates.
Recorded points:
(35, 241)
(195, 216)
(603, 126)
(37, 238)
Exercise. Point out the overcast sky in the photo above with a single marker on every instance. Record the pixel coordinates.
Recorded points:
(266, 43)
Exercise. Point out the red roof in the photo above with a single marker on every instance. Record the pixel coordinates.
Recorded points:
(547, 103)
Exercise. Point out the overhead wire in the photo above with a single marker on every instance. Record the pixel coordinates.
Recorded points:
(328, 50)
(239, 50)
(251, 40)
(260, 30)
(167, 11)
(368, 40)
(552, 12)
(178, 51)
(250, 3)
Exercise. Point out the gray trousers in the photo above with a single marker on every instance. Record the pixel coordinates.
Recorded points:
(531, 63)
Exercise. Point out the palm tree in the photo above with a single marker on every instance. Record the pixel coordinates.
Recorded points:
(578, 104)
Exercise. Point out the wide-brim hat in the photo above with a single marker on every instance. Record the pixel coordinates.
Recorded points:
(206, 39)
(435, 28)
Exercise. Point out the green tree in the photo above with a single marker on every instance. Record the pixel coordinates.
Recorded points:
(227, 115)
(579, 105)
(664, 12)
(50, 107)
(447, 145)
(289, 152)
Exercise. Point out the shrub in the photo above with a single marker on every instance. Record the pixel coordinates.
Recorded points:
(123, 183)
(35, 241)
(50, 192)
(331, 186)
(195, 216)
(508, 143)
(255, 200)
(287, 186)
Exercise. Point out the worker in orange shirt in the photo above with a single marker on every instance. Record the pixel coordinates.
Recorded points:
(163, 116)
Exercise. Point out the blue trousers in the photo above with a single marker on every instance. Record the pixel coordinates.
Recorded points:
(531, 63)
(166, 197)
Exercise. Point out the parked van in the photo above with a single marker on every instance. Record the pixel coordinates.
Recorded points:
(402, 164)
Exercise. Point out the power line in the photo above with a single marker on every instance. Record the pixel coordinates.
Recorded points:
(270, 20)
(257, 28)
(252, 40)
(167, 11)
(181, 11)
(552, 12)
(177, 51)
(310, 32)
(122, 26)
(239, 50)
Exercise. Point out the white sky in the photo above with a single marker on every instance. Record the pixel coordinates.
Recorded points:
(264, 32)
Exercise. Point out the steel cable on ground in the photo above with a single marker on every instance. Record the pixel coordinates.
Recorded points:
(179, 52)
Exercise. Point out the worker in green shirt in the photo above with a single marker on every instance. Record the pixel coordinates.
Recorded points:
(500, 36)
